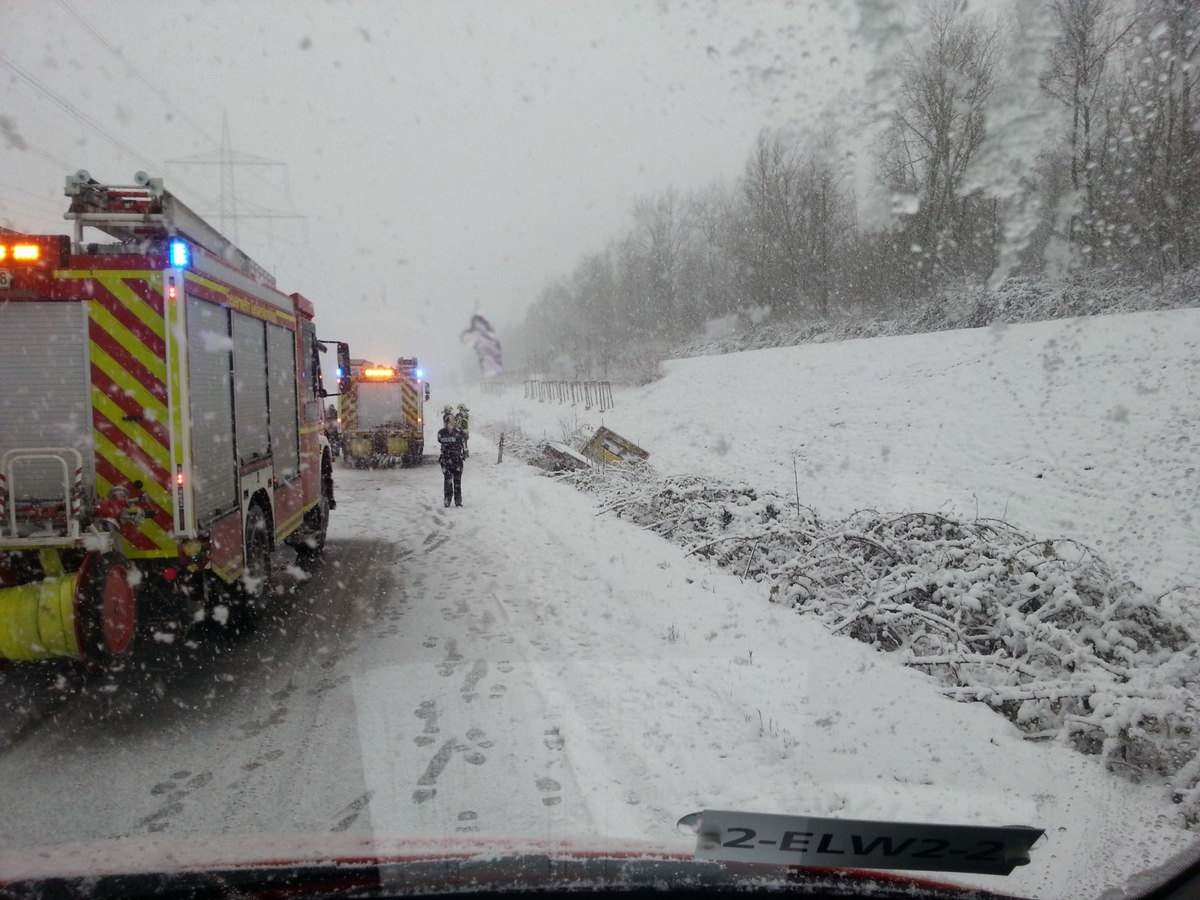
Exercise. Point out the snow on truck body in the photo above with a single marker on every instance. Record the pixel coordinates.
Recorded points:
(160, 427)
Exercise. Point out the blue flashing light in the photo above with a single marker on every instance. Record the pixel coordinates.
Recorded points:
(420, 374)
(181, 256)
(340, 373)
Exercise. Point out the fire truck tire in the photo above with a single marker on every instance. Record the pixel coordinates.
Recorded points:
(253, 589)
(107, 608)
(311, 540)
(415, 454)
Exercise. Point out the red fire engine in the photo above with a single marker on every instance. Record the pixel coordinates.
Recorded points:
(160, 428)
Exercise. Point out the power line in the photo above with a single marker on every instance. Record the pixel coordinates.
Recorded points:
(42, 152)
(43, 211)
(73, 110)
(76, 113)
(133, 70)
(225, 157)
(20, 190)
(155, 90)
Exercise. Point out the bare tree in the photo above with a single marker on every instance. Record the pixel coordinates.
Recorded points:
(792, 225)
(549, 331)
(661, 234)
(829, 221)
(595, 299)
(1161, 142)
(708, 276)
(1090, 32)
(938, 127)
(769, 244)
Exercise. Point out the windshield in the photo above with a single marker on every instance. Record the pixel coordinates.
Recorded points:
(478, 428)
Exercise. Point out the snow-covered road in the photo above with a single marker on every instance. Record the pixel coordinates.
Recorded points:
(523, 668)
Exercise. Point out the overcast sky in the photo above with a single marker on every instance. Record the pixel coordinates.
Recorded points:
(447, 157)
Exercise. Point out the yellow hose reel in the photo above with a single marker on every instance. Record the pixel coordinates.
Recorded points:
(45, 619)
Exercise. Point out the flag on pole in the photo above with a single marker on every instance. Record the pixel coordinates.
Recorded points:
(483, 338)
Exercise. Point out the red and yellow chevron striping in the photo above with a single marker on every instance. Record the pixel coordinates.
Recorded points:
(128, 349)
(409, 404)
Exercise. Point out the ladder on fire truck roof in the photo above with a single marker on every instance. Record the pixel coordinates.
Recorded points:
(147, 212)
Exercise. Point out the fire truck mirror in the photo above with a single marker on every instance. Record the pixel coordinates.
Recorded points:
(318, 379)
(427, 390)
(343, 366)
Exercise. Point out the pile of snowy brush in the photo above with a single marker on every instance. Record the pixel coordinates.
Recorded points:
(1039, 629)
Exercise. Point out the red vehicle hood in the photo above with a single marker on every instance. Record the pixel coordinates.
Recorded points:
(334, 864)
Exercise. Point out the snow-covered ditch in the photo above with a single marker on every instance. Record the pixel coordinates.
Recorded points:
(1072, 613)
(1038, 629)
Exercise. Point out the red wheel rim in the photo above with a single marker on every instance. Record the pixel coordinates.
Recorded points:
(118, 610)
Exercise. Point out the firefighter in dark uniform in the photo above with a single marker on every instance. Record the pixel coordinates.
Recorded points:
(463, 417)
(453, 448)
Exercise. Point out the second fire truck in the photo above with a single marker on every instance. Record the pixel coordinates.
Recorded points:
(160, 429)
(382, 411)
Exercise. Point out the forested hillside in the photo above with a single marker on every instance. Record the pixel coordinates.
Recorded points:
(999, 167)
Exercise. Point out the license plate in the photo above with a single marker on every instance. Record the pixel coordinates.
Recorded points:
(854, 843)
